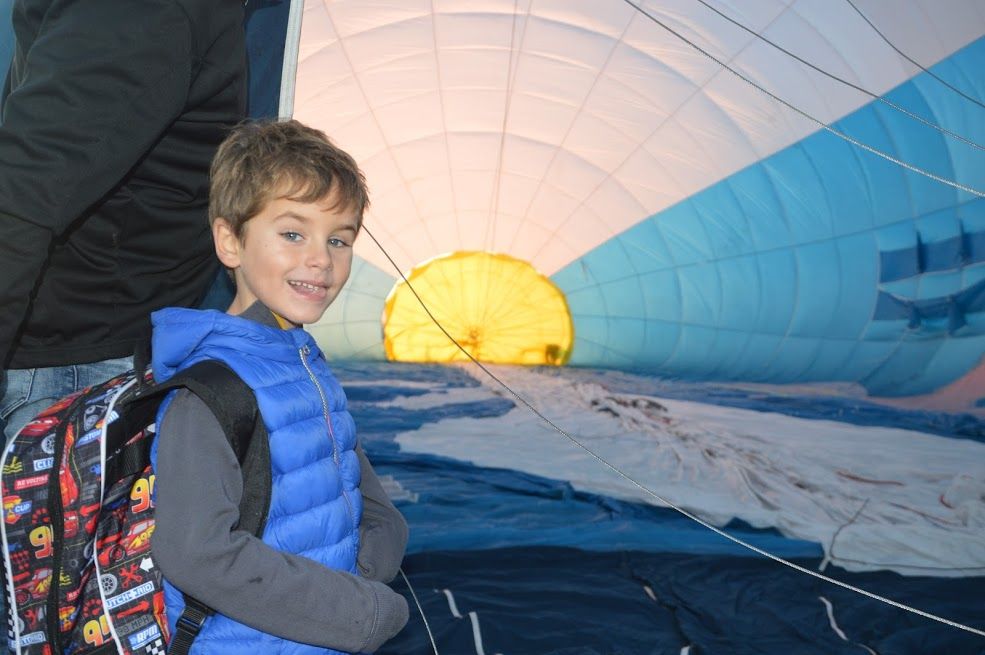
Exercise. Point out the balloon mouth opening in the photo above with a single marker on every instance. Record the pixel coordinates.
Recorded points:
(488, 306)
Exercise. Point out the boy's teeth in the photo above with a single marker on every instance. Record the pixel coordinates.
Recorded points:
(305, 285)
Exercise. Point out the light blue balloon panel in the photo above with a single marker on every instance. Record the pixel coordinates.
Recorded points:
(820, 262)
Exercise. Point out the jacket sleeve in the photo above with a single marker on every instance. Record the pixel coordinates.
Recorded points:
(198, 489)
(383, 531)
(99, 85)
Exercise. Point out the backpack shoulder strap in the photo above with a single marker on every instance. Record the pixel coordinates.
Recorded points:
(228, 397)
(234, 405)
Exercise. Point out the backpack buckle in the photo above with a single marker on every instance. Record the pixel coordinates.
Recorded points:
(193, 618)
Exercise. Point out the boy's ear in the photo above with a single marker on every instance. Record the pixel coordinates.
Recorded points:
(227, 244)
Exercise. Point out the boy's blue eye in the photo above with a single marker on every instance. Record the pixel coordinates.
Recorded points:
(291, 236)
(335, 242)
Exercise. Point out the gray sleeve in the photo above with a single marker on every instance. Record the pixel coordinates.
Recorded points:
(383, 531)
(198, 489)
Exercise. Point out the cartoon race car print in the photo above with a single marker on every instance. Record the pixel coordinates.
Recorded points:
(69, 487)
(34, 589)
(39, 426)
(135, 541)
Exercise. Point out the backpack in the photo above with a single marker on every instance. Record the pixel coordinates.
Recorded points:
(78, 514)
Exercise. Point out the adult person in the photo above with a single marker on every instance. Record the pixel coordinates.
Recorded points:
(110, 116)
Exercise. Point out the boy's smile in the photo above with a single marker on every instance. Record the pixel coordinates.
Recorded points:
(294, 257)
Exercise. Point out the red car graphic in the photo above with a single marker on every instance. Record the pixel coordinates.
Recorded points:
(90, 513)
(71, 525)
(136, 540)
(36, 588)
(39, 426)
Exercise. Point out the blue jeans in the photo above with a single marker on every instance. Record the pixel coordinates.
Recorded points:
(30, 390)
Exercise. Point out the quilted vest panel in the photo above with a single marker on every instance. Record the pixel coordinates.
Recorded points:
(312, 449)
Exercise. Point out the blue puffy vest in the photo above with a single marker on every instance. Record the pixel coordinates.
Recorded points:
(304, 409)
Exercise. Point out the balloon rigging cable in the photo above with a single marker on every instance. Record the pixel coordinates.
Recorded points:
(420, 609)
(826, 127)
(818, 121)
(912, 61)
(832, 76)
(510, 80)
(650, 492)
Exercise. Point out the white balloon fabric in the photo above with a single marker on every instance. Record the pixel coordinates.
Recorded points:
(697, 226)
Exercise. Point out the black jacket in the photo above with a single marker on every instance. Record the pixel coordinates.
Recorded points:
(111, 114)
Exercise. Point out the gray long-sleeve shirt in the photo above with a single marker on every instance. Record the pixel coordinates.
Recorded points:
(198, 490)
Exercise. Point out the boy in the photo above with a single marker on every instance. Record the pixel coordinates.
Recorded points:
(285, 208)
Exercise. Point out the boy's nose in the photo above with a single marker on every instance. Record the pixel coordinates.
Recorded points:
(319, 258)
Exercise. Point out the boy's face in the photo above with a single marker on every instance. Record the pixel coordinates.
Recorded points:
(294, 257)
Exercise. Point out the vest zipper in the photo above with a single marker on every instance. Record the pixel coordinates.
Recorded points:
(304, 351)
